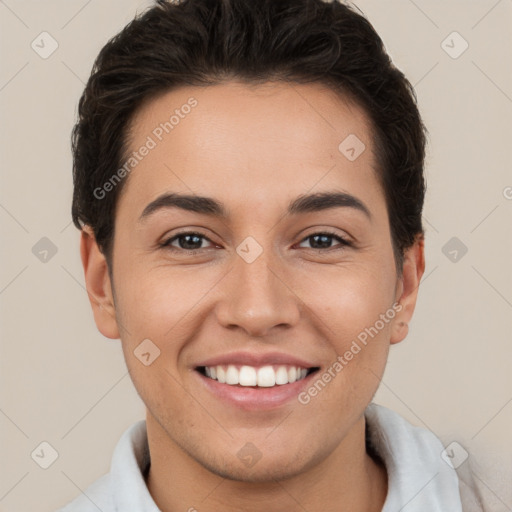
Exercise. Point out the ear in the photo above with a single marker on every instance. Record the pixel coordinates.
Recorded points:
(98, 285)
(407, 288)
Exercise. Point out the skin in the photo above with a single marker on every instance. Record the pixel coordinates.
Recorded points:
(254, 148)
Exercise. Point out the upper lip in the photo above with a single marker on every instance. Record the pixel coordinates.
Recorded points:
(252, 359)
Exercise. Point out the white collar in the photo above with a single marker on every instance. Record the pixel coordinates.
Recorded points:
(419, 480)
(130, 462)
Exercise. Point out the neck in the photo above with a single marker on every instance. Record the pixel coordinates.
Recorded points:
(348, 479)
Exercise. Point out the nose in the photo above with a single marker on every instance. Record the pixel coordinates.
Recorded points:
(257, 298)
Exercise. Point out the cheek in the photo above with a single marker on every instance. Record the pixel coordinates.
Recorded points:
(351, 299)
(355, 314)
(155, 302)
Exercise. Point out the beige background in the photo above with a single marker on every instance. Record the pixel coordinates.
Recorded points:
(63, 383)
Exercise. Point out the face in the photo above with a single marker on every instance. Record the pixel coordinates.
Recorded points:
(249, 279)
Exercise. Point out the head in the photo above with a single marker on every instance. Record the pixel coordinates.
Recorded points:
(257, 112)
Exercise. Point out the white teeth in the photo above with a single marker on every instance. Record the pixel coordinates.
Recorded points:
(221, 374)
(265, 376)
(232, 375)
(247, 376)
(282, 375)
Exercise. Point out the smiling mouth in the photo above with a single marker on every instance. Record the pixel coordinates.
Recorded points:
(259, 377)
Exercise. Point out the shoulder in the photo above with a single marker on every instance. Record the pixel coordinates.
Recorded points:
(476, 483)
(485, 480)
(124, 484)
(98, 496)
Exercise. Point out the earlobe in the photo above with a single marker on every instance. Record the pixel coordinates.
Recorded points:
(400, 332)
(98, 285)
(413, 269)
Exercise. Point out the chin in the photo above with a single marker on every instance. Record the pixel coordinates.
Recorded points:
(263, 468)
(260, 473)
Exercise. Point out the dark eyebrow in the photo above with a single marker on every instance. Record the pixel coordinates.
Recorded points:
(191, 203)
(325, 200)
(302, 204)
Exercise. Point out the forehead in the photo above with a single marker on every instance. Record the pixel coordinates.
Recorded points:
(261, 140)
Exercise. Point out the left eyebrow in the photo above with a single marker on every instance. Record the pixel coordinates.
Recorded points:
(208, 206)
(325, 200)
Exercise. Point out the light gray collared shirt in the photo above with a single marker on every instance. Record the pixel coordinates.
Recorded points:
(419, 479)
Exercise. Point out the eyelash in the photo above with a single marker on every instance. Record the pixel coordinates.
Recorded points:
(167, 244)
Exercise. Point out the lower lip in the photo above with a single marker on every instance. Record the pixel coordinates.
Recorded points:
(255, 398)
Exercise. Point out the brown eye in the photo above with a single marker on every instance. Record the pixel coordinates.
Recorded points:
(324, 240)
(186, 241)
